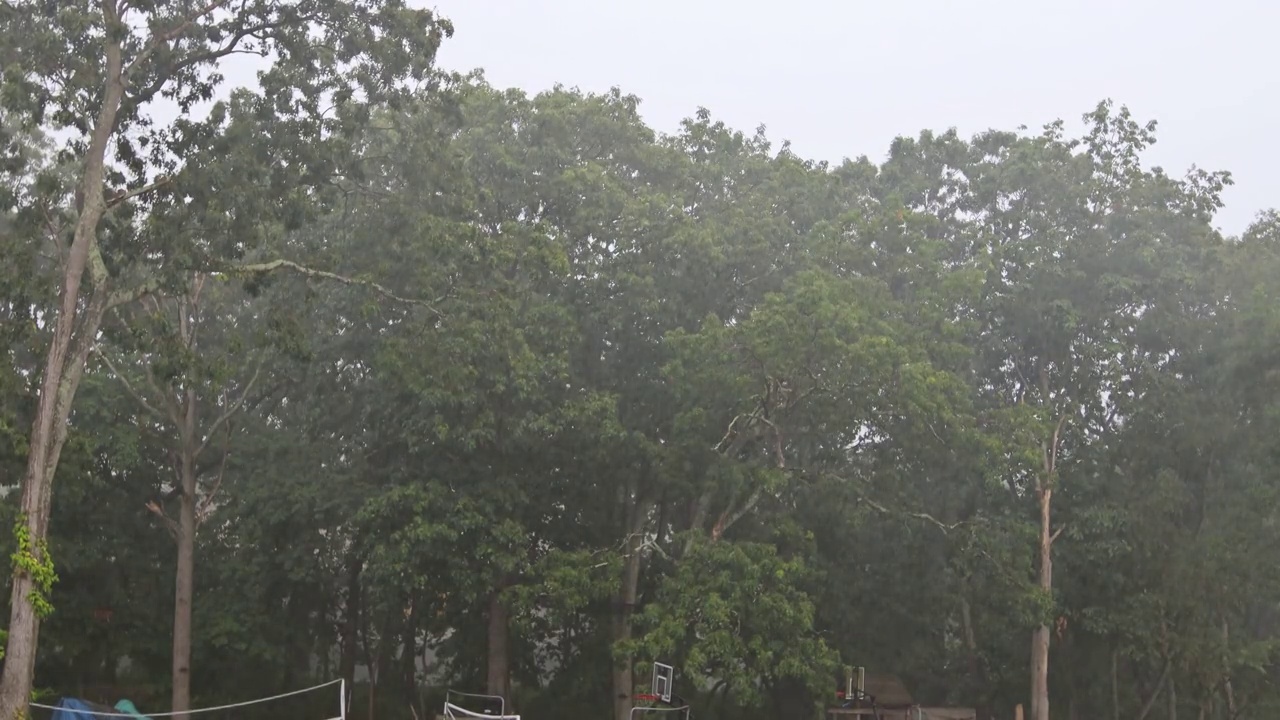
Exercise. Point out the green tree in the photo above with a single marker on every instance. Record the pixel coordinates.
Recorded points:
(192, 373)
(122, 59)
(1072, 234)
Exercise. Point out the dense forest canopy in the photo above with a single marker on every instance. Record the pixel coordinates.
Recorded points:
(382, 373)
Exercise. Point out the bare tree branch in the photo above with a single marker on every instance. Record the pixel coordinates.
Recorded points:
(161, 38)
(170, 524)
(1057, 441)
(885, 510)
(205, 507)
(128, 386)
(944, 527)
(728, 435)
(128, 294)
(232, 408)
(731, 516)
(231, 47)
(281, 264)
(175, 414)
(124, 195)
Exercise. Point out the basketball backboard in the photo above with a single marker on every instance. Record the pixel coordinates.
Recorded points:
(663, 679)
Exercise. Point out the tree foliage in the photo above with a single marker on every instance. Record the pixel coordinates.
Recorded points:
(441, 384)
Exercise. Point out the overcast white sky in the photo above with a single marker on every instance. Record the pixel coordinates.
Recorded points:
(843, 77)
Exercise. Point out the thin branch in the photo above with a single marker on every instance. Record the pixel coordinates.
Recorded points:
(1056, 533)
(729, 517)
(55, 230)
(655, 547)
(281, 264)
(944, 527)
(728, 434)
(197, 287)
(184, 323)
(1155, 694)
(881, 508)
(1057, 439)
(935, 434)
(124, 195)
(173, 33)
(175, 415)
(1110, 418)
(698, 517)
(230, 48)
(207, 505)
(169, 522)
(778, 453)
(140, 291)
(1023, 385)
(152, 303)
(275, 397)
(161, 38)
(128, 386)
(232, 409)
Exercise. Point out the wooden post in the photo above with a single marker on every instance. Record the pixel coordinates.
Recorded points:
(1017, 712)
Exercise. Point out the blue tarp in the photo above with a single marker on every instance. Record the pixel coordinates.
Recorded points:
(73, 709)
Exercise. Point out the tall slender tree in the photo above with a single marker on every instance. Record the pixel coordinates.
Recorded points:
(121, 58)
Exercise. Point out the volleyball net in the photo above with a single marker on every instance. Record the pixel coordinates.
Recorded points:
(465, 706)
(326, 701)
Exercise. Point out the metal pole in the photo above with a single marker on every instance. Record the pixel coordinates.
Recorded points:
(342, 699)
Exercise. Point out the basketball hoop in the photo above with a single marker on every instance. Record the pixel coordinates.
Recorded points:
(663, 679)
(660, 694)
(855, 695)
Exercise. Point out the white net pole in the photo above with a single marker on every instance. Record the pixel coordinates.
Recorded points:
(342, 699)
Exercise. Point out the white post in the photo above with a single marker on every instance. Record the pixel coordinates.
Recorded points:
(342, 698)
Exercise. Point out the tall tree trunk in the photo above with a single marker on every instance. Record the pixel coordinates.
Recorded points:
(184, 582)
(976, 674)
(1227, 690)
(1040, 636)
(499, 656)
(184, 587)
(1115, 684)
(386, 657)
(370, 660)
(624, 608)
(350, 641)
(64, 365)
(49, 435)
(409, 654)
(1155, 693)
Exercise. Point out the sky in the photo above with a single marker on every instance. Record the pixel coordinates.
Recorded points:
(842, 78)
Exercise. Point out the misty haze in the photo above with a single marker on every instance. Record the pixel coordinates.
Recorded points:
(371, 360)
